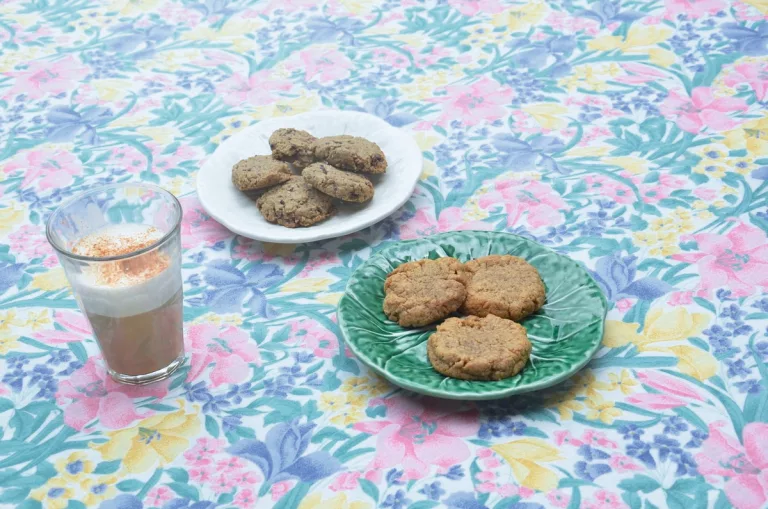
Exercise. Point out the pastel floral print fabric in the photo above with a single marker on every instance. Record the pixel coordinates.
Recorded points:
(630, 135)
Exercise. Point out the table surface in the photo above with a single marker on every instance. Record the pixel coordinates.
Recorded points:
(629, 135)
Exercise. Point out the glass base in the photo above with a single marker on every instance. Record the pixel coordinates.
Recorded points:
(155, 376)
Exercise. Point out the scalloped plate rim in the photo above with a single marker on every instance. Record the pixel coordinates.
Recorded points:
(473, 396)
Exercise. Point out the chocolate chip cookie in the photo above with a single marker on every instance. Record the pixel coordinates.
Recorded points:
(351, 153)
(473, 348)
(503, 285)
(258, 172)
(295, 203)
(343, 185)
(293, 146)
(423, 291)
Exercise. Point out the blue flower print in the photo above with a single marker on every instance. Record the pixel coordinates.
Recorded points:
(231, 287)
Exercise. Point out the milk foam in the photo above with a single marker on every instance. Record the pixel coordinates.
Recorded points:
(124, 295)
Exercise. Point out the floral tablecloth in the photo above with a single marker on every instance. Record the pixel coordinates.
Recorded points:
(630, 135)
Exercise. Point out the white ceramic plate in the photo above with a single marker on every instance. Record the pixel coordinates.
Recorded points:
(238, 212)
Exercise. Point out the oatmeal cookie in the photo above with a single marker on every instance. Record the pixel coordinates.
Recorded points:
(351, 153)
(295, 203)
(258, 172)
(473, 348)
(343, 185)
(423, 291)
(293, 146)
(503, 285)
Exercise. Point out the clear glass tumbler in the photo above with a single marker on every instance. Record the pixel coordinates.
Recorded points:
(120, 246)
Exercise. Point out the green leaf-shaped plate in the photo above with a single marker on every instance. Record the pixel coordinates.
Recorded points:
(565, 333)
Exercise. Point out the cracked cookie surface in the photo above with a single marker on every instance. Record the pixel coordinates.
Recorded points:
(503, 285)
(343, 185)
(293, 146)
(474, 348)
(351, 153)
(423, 291)
(295, 203)
(259, 172)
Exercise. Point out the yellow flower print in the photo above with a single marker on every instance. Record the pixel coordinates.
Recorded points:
(55, 494)
(565, 403)
(548, 115)
(741, 165)
(710, 169)
(8, 319)
(586, 383)
(338, 501)
(349, 414)
(524, 456)
(590, 77)
(74, 467)
(98, 489)
(595, 151)
(634, 165)
(311, 284)
(705, 215)
(640, 40)
(132, 7)
(751, 135)
(157, 439)
(54, 279)
(11, 215)
(8, 343)
(329, 298)
(423, 86)
(109, 90)
(520, 18)
(355, 384)
(162, 134)
(600, 409)
(700, 205)
(38, 320)
(694, 361)
(660, 326)
(760, 5)
(217, 319)
(623, 382)
(330, 402)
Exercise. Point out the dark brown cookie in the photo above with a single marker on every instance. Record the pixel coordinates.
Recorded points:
(293, 146)
(343, 185)
(295, 203)
(259, 172)
(474, 348)
(351, 153)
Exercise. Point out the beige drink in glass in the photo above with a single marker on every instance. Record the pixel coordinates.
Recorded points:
(120, 248)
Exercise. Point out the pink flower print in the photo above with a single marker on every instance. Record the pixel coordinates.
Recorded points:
(490, 463)
(257, 89)
(230, 465)
(90, 393)
(562, 22)
(755, 74)
(597, 439)
(525, 492)
(624, 305)
(230, 348)
(245, 499)
(415, 436)
(610, 188)
(701, 111)
(484, 100)
(422, 225)
(693, 8)
(42, 78)
(559, 498)
(202, 453)
(669, 384)
(671, 182)
(540, 205)
(245, 478)
(47, 168)
(128, 158)
(200, 474)
(737, 261)
(623, 464)
(507, 490)
(484, 452)
(473, 7)
(158, 496)
(324, 65)
(30, 241)
(197, 228)
(605, 500)
(564, 437)
(680, 298)
(313, 336)
(639, 73)
(345, 481)
(745, 466)
(486, 476)
(705, 194)
(222, 483)
(486, 487)
(656, 401)
(76, 328)
(279, 489)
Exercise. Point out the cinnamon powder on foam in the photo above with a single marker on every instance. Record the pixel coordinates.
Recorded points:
(126, 272)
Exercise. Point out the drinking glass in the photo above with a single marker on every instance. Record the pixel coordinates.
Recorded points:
(130, 292)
